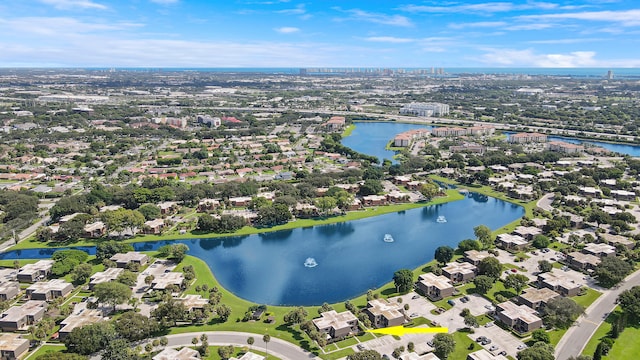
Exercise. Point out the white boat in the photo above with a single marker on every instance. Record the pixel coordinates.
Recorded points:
(388, 238)
(310, 262)
(441, 219)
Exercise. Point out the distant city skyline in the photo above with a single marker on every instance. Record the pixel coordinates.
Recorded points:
(292, 34)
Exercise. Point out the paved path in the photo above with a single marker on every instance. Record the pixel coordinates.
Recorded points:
(545, 202)
(577, 337)
(277, 347)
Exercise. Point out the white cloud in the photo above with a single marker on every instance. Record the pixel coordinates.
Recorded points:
(58, 26)
(622, 17)
(74, 4)
(164, 2)
(298, 10)
(565, 41)
(389, 39)
(480, 24)
(287, 30)
(529, 58)
(361, 15)
(488, 7)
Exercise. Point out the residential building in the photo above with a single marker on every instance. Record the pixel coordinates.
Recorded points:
(249, 356)
(415, 356)
(425, 109)
(523, 138)
(95, 230)
(168, 207)
(565, 147)
(623, 195)
(122, 260)
(474, 257)
(583, 262)
(49, 290)
(527, 232)
(511, 242)
(374, 200)
(618, 240)
(520, 318)
(84, 317)
(13, 346)
(435, 287)
(208, 205)
(240, 201)
(8, 274)
(186, 353)
(537, 298)
(383, 313)
(336, 123)
(110, 274)
(9, 290)
(449, 132)
(483, 354)
(36, 271)
(558, 282)
(153, 226)
(459, 272)
(164, 281)
(21, 317)
(599, 249)
(193, 302)
(337, 325)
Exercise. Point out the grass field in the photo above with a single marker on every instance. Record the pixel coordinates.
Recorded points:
(46, 349)
(602, 332)
(626, 346)
(588, 298)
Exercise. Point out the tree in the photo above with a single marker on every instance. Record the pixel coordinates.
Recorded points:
(544, 266)
(483, 283)
(540, 241)
(118, 349)
(539, 351)
(134, 326)
(112, 293)
(516, 282)
(540, 335)
(469, 244)
(444, 344)
(612, 270)
(490, 266)
(561, 312)
(296, 316)
(250, 341)
(365, 355)
(429, 190)
(443, 254)
(150, 211)
(403, 280)
(266, 338)
(168, 313)
(471, 321)
(225, 352)
(326, 204)
(483, 233)
(223, 312)
(629, 301)
(105, 250)
(128, 278)
(599, 217)
(176, 252)
(81, 273)
(90, 338)
(370, 187)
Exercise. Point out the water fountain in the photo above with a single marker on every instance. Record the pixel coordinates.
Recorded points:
(388, 238)
(310, 262)
(441, 219)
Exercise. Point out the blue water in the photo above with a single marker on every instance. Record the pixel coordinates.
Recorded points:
(352, 257)
(625, 149)
(371, 138)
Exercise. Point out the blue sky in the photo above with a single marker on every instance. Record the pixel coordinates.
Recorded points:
(292, 33)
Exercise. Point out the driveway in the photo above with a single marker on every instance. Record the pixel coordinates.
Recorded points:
(156, 269)
(545, 202)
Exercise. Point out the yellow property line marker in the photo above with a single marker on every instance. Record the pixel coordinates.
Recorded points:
(401, 330)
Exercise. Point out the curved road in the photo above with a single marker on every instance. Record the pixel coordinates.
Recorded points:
(545, 202)
(577, 337)
(277, 347)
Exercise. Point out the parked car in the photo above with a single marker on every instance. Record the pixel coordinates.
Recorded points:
(489, 324)
(489, 307)
(522, 347)
(493, 348)
(415, 297)
(451, 302)
(360, 347)
(503, 353)
(481, 338)
(514, 270)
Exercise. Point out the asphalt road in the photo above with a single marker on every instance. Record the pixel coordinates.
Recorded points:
(280, 348)
(577, 337)
(545, 202)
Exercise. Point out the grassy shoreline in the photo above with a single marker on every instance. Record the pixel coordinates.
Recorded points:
(452, 195)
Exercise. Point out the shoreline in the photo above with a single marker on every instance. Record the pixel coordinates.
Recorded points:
(452, 195)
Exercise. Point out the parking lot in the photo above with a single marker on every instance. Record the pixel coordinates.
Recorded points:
(500, 340)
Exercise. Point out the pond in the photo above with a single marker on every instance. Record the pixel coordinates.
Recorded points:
(371, 138)
(351, 257)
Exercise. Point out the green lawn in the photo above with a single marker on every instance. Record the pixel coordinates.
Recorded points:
(462, 346)
(9, 263)
(348, 130)
(498, 288)
(626, 346)
(452, 195)
(47, 348)
(588, 298)
(555, 335)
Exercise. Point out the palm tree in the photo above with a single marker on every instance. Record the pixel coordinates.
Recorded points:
(266, 338)
(250, 341)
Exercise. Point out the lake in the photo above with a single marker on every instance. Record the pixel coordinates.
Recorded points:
(351, 257)
(371, 138)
